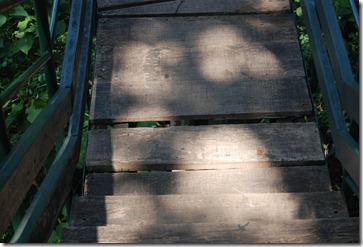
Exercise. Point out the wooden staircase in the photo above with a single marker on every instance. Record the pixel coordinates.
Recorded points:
(253, 172)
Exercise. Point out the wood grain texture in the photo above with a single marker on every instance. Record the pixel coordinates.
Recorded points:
(117, 7)
(312, 231)
(21, 167)
(120, 4)
(217, 209)
(187, 67)
(257, 180)
(203, 147)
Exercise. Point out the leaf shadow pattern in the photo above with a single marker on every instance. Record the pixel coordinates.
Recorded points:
(166, 53)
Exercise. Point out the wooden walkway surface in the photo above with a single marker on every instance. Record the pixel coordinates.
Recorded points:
(253, 172)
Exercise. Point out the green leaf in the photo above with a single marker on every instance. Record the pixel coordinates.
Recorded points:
(1, 43)
(15, 109)
(299, 11)
(40, 103)
(19, 12)
(23, 24)
(60, 28)
(3, 20)
(53, 238)
(32, 113)
(10, 49)
(25, 44)
(19, 35)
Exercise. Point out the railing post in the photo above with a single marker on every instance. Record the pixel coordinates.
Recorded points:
(45, 42)
(53, 20)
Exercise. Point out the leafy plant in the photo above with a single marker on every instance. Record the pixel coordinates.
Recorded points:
(19, 48)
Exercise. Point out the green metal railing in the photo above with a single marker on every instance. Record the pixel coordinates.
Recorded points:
(20, 164)
(337, 83)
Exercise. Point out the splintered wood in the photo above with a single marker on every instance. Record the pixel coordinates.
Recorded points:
(167, 68)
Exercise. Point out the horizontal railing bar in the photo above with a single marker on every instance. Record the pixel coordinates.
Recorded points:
(9, 4)
(15, 86)
(22, 164)
(347, 86)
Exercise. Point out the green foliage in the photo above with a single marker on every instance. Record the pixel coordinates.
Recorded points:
(19, 48)
(63, 221)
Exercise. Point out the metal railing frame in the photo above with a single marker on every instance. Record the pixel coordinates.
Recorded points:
(331, 68)
(42, 214)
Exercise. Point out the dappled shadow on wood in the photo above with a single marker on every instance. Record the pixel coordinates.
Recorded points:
(170, 68)
(215, 67)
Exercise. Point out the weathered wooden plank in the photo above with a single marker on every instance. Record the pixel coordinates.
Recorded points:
(22, 165)
(203, 147)
(170, 68)
(218, 209)
(119, 4)
(117, 7)
(312, 231)
(257, 180)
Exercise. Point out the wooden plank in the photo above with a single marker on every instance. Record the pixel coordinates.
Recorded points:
(218, 209)
(257, 180)
(119, 4)
(172, 68)
(195, 7)
(22, 165)
(203, 147)
(312, 231)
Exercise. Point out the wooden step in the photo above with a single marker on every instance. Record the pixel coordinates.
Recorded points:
(206, 182)
(168, 68)
(308, 231)
(203, 147)
(199, 7)
(217, 209)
